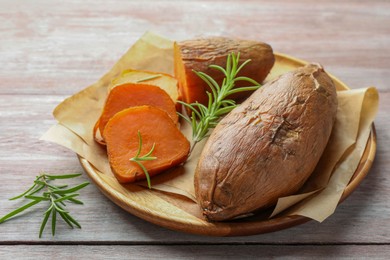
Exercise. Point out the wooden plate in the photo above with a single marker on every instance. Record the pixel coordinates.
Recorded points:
(167, 210)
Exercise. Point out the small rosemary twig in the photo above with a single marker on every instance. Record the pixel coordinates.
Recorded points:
(147, 157)
(56, 195)
(203, 118)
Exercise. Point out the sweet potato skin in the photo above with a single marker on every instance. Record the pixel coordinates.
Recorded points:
(198, 54)
(268, 146)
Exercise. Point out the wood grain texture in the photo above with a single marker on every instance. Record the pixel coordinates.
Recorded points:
(196, 252)
(52, 49)
(47, 43)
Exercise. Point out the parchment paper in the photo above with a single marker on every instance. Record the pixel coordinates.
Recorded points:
(317, 199)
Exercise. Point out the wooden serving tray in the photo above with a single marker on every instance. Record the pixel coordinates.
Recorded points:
(165, 209)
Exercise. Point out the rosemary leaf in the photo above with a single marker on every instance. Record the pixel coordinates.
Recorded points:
(146, 173)
(71, 219)
(45, 219)
(17, 211)
(40, 198)
(36, 190)
(75, 201)
(61, 186)
(66, 176)
(49, 209)
(237, 90)
(53, 222)
(149, 78)
(58, 208)
(24, 193)
(56, 196)
(147, 157)
(66, 197)
(73, 189)
(44, 183)
(64, 217)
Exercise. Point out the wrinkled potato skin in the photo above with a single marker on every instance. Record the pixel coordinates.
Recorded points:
(268, 146)
(199, 54)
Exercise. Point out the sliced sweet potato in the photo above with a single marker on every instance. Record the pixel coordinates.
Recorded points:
(161, 80)
(199, 54)
(130, 95)
(155, 127)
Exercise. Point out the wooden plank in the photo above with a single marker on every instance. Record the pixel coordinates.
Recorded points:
(57, 47)
(196, 251)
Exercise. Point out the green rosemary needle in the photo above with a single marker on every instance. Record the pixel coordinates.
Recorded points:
(147, 157)
(55, 195)
(203, 118)
(149, 78)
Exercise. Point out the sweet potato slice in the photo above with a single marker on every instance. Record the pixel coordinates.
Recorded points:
(164, 81)
(130, 95)
(155, 127)
(198, 54)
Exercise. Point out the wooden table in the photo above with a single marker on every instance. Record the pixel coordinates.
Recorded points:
(52, 49)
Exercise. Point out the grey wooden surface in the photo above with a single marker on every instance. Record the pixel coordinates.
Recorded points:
(52, 49)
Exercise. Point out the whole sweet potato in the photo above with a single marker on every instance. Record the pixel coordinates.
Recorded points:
(198, 54)
(268, 146)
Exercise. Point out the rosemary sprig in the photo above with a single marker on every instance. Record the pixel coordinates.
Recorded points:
(203, 118)
(56, 196)
(147, 157)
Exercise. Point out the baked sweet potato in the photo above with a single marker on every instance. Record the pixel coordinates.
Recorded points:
(198, 54)
(268, 146)
(131, 95)
(156, 127)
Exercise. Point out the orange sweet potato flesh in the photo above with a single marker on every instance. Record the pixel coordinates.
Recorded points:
(198, 54)
(130, 95)
(161, 80)
(155, 126)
